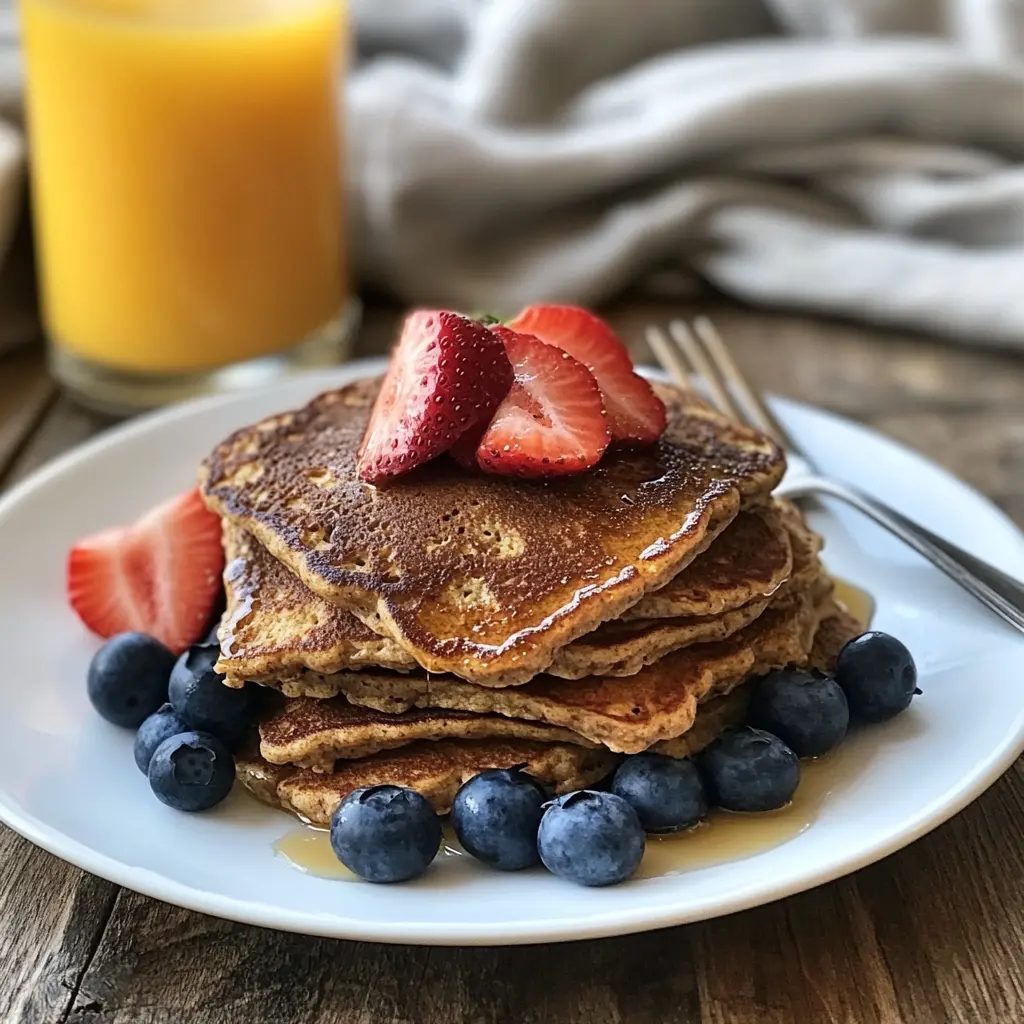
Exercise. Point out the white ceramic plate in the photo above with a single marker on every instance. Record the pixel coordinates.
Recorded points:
(69, 784)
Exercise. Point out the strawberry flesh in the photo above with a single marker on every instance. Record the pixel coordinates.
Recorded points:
(635, 413)
(552, 423)
(447, 376)
(161, 575)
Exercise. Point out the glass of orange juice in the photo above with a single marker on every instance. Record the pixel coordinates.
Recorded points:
(187, 192)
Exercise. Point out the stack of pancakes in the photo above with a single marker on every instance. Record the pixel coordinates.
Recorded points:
(452, 622)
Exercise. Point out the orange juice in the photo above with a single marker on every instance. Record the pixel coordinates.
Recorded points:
(186, 176)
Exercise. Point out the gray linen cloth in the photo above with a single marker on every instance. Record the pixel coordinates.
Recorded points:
(856, 157)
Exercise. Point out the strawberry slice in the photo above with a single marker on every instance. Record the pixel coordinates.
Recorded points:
(635, 413)
(464, 450)
(447, 376)
(160, 576)
(552, 423)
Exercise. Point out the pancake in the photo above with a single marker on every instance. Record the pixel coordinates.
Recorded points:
(719, 713)
(485, 577)
(804, 546)
(623, 648)
(316, 733)
(436, 770)
(714, 715)
(750, 560)
(276, 626)
(626, 714)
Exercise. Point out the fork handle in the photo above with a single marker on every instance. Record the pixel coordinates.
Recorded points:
(999, 592)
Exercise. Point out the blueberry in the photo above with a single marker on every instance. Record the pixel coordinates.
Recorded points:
(127, 678)
(192, 771)
(878, 675)
(750, 770)
(200, 696)
(496, 815)
(806, 710)
(385, 833)
(161, 725)
(591, 838)
(667, 794)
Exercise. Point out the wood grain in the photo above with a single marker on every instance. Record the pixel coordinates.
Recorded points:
(932, 934)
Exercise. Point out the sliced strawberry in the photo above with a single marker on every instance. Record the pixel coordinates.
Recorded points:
(553, 422)
(447, 376)
(635, 413)
(161, 575)
(464, 450)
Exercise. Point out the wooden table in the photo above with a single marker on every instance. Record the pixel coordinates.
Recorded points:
(934, 933)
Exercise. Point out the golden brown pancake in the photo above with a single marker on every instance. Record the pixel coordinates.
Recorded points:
(751, 559)
(316, 733)
(436, 770)
(276, 626)
(623, 648)
(718, 713)
(626, 714)
(484, 577)
(632, 644)
(714, 715)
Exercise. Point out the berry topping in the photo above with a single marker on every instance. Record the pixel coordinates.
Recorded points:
(750, 770)
(385, 833)
(635, 413)
(667, 794)
(160, 576)
(878, 676)
(164, 723)
(591, 838)
(806, 710)
(192, 771)
(127, 679)
(496, 815)
(446, 377)
(552, 422)
(202, 698)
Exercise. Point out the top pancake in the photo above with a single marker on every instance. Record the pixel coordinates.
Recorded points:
(482, 576)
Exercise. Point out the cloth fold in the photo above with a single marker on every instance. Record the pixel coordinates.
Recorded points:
(791, 152)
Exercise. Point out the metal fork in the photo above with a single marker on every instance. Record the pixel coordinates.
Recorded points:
(699, 349)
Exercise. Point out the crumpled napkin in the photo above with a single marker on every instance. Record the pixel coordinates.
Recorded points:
(827, 155)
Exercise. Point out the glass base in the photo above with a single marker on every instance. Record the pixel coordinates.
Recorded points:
(119, 393)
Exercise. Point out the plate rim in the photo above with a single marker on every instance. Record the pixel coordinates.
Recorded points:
(603, 924)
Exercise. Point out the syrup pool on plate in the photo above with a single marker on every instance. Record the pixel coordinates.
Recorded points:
(725, 836)
(308, 849)
(858, 602)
